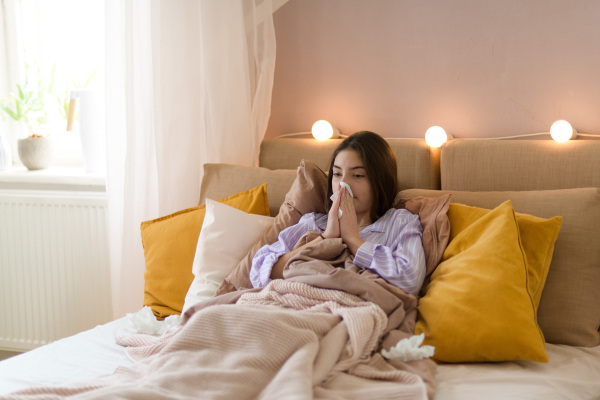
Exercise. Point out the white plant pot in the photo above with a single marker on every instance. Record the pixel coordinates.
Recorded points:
(36, 153)
(93, 144)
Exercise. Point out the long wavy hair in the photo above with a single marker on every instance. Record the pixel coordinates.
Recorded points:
(379, 161)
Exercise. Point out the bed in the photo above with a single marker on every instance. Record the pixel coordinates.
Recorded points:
(511, 304)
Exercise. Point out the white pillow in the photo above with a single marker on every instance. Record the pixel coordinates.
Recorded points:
(226, 237)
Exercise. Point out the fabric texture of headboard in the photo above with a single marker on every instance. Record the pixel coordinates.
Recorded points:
(501, 165)
(418, 164)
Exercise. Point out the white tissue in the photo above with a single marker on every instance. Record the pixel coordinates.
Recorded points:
(343, 184)
(144, 321)
(409, 349)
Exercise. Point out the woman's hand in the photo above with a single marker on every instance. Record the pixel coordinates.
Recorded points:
(333, 222)
(348, 224)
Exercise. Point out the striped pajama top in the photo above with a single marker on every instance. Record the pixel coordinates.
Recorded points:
(393, 249)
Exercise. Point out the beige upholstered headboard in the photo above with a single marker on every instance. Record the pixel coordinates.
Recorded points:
(467, 165)
(501, 165)
(418, 164)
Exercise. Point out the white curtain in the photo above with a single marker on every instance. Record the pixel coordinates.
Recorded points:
(187, 82)
(11, 65)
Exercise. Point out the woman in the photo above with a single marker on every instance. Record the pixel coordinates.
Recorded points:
(381, 238)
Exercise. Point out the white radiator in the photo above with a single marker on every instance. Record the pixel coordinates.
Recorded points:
(54, 270)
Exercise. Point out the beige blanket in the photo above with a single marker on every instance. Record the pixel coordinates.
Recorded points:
(298, 338)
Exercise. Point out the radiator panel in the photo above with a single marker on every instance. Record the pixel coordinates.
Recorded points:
(54, 269)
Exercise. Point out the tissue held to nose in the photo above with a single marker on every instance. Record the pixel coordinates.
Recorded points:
(349, 189)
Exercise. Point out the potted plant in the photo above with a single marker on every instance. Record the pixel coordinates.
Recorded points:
(28, 107)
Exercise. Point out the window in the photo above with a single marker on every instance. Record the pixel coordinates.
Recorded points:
(60, 48)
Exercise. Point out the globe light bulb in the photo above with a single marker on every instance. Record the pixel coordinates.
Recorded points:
(322, 130)
(561, 131)
(436, 136)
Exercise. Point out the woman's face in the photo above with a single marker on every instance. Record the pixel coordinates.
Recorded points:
(349, 168)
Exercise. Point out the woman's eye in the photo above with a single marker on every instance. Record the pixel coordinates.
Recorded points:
(359, 176)
(337, 174)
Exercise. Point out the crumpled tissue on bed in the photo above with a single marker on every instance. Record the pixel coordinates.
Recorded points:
(144, 321)
(409, 349)
(343, 184)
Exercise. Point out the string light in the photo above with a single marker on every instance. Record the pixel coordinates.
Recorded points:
(322, 130)
(562, 131)
(436, 136)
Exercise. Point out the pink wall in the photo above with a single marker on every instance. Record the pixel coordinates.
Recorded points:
(479, 68)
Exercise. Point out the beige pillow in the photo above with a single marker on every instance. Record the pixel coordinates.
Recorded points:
(306, 195)
(220, 180)
(569, 310)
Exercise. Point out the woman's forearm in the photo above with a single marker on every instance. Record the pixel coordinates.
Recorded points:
(277, 271)
(354, 243)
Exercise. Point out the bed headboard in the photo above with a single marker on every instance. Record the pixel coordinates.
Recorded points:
(517, 165)
(418, 164)
(473, 165)
(468, 165)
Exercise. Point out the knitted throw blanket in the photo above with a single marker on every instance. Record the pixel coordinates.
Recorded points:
(290, 340)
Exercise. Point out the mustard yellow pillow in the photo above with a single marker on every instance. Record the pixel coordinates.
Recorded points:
(478, 306)
(538, 236)
(170, 245)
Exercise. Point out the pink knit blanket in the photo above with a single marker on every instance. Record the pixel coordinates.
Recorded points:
(290, 340)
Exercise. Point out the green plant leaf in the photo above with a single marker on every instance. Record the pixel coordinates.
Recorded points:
(27, 97)
(10, 112)
(19, 110)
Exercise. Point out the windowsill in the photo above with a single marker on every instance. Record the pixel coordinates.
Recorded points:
(53, 178)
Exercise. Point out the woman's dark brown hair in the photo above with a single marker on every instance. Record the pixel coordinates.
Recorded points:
(380, 165)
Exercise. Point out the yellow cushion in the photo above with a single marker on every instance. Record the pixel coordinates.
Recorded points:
(478, 306)
(170, 245)
(538, 236)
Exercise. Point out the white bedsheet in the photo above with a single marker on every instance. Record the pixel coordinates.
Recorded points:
(87, 354)
(572, 372)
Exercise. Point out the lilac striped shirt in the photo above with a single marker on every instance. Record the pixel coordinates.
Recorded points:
(393, 248)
